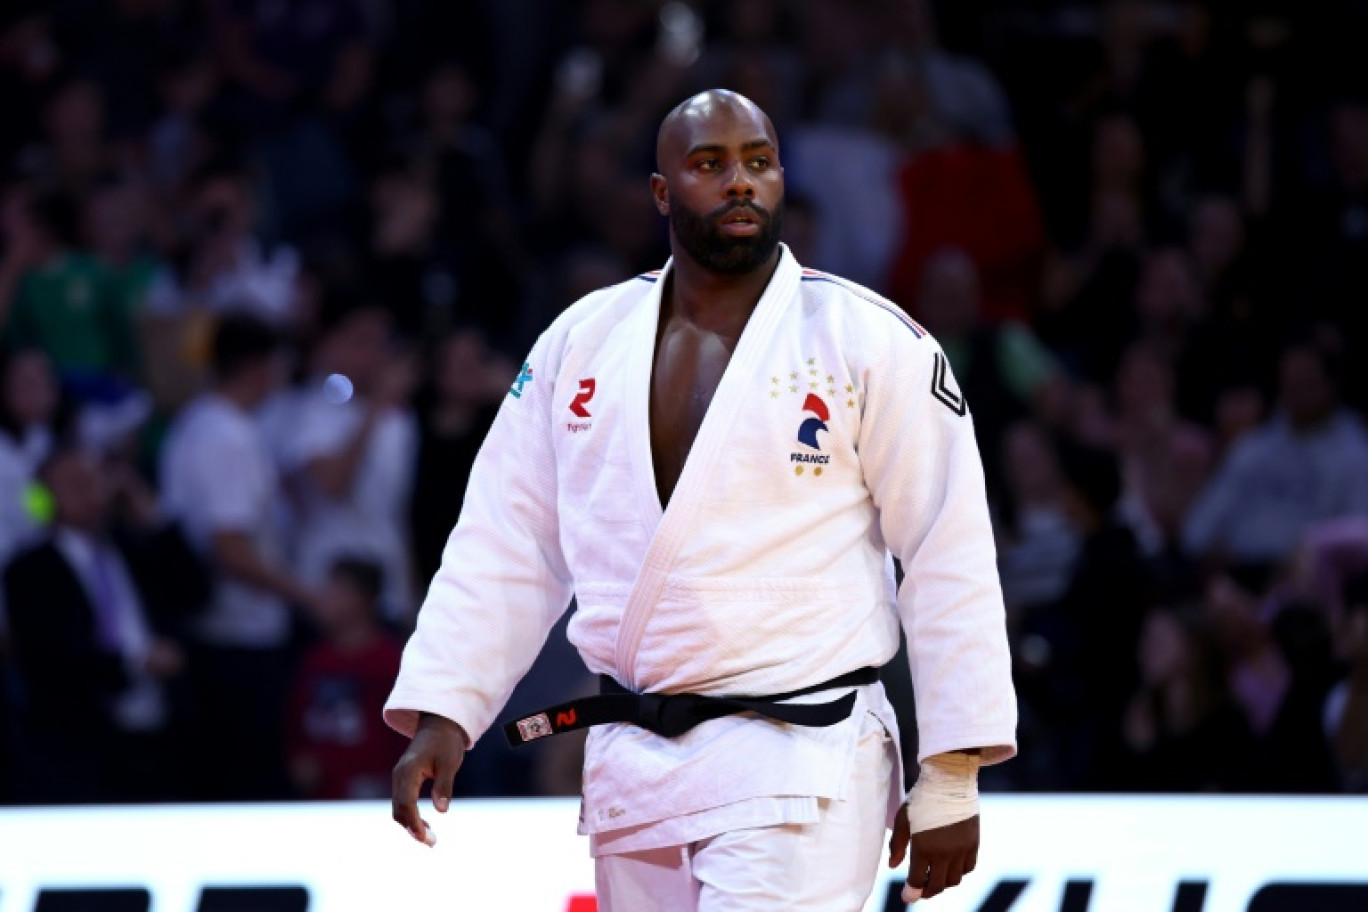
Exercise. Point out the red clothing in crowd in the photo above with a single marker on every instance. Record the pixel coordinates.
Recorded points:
(335, 721)
(980, 200)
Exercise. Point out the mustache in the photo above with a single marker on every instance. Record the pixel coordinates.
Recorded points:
(728, 208)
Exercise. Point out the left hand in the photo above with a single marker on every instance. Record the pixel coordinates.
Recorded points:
(940, 856)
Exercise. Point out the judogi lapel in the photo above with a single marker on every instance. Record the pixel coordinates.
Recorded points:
(678, 519)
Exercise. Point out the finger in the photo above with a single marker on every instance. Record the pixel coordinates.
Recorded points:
(897, 843)
(447, 765)
(954, 871)
(916, 874)
(407, 782)
(935, 883)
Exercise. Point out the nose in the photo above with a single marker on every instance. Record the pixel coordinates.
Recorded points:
(740, 183)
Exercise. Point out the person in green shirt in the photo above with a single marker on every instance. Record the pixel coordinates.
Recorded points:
(58, 298)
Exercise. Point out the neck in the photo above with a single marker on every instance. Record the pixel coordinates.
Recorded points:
(714, 302)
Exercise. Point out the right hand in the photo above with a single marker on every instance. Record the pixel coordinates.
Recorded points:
(435, 753)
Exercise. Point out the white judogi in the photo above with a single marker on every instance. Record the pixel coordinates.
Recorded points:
(836, 435)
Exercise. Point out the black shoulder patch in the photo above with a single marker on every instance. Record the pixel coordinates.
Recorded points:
(942, 387)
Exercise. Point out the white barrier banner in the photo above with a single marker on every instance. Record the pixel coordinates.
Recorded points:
(1040, 854)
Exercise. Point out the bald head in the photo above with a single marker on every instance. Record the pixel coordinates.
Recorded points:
(694, 118)
(719, 182)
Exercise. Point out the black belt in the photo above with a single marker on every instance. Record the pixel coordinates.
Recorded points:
(672, 715)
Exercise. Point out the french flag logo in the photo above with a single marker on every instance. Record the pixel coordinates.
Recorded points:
(807, 431)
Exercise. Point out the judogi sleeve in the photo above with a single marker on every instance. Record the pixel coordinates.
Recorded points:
(503, 581)
(922, 467)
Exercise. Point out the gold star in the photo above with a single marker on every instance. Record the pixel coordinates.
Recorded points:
(831, 392)
(793, 376)
(774, 379)
(849, 388)
(850, 403)
(793, 389)
(817, 471)
(813, 372)
(814, 384)
(797, 470)
(830, 379)
(774, 394)
(812, 361)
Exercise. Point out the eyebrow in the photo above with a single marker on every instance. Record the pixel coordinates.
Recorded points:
(745, 147)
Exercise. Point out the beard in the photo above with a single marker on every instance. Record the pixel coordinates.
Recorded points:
(702, 238)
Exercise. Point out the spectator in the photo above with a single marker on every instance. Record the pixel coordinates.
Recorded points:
(337, 743)
(957, 191)
(1040, 534)
(1279, 688)
(117, 222)
(409, 259)
(351, 451)
(29, 402)
(1346, 709)
(93, 666)
(1165, 460)
(466, 388)
(58, 298)
(1309, 463)
(223, 266)
(1004, 372)
(219, 480)
(1182, 727)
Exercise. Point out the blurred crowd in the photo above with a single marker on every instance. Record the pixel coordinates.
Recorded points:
(267, 270)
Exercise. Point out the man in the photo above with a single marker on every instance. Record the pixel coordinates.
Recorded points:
(1305, 465)
(716, 461)
(349, 451)
(219, 480)
(92, 663)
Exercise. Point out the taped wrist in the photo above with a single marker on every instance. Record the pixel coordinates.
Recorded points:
(946, 792)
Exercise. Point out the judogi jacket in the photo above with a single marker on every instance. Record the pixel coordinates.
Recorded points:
(836, 439)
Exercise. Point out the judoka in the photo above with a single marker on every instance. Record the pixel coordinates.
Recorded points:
(719, 461)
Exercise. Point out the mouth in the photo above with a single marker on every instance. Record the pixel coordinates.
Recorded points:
(740, 222)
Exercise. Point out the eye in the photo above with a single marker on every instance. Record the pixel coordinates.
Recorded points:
(760, 163)
(706, 164)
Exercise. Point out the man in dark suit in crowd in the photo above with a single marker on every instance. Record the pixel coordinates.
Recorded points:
(84, 606)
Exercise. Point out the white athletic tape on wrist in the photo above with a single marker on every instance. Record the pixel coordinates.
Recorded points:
(946, 792)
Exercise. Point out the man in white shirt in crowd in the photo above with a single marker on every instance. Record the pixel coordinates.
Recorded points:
(350, 450)
(219, 480)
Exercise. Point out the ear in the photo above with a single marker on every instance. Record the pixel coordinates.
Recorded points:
(661, 191)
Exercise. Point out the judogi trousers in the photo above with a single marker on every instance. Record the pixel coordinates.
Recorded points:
(827, 866)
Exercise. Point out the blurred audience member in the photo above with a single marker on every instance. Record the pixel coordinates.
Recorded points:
(409, 259)
(219, 480)
(1040, 534)
(466, 388)
(58, 298)
(1165, 460)
(117, 223)
(1279, 672)
(29, 403)
(337, 743)
(1004, 372)
(96, 709)
(1309, 463)
(1182, 731)
(223, 266)
(1346, 709)
(350, 453)
(956, 191)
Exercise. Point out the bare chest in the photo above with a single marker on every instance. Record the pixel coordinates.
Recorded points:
(689, 365)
